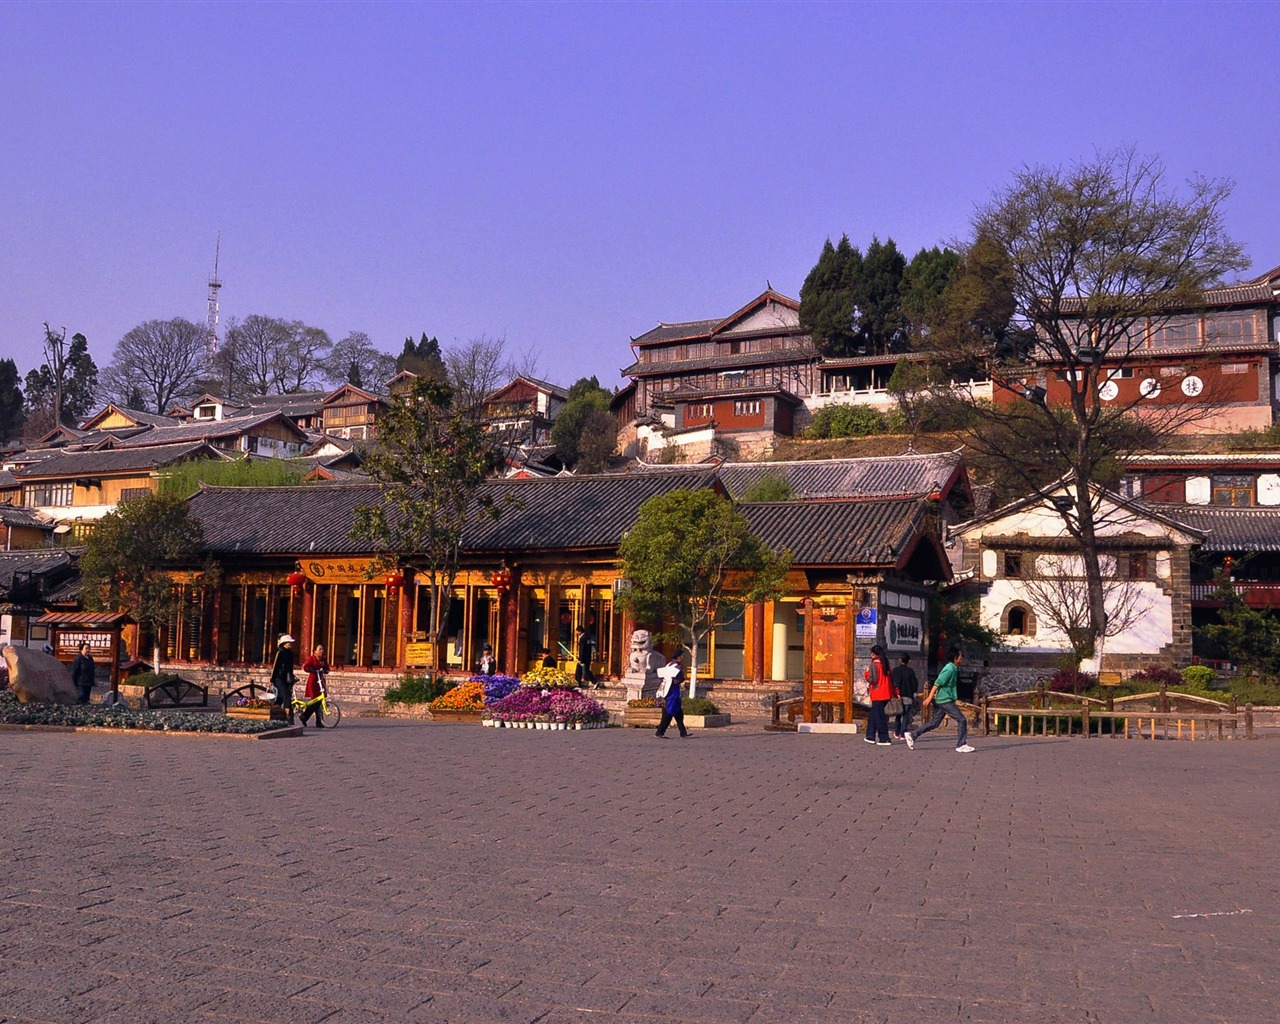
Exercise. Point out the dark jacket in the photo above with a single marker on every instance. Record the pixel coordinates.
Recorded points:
(904, 678)
(83, 672)
(673, 705)
(282, 670)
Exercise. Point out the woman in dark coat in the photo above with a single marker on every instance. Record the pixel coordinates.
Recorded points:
(83, 673)
(282, 673)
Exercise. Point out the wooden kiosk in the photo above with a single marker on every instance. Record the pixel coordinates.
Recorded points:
(829, 658)
(100, 630)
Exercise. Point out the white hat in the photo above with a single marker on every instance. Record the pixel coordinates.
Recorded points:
(285, 638)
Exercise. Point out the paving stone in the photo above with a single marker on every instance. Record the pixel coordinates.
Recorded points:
(466, 875)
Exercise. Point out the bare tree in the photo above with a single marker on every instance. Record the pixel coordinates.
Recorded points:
(1073, 267)
(355, 360)
(269, 355)
(1059, 592)
(159, 360)
(477, 369)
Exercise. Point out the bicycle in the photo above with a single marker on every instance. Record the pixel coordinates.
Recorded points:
(329, 710)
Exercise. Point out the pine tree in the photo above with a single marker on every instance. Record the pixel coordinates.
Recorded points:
(11, 414)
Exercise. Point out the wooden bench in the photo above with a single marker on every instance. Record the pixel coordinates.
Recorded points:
(177, 693)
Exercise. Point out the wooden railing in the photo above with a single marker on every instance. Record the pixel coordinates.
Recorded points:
(1089, 719)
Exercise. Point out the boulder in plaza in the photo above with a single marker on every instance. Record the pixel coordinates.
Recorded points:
(38, 678)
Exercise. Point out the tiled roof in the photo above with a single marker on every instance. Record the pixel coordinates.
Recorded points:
(205, 430)
(561, 512)
(687, 394)
(677, 332)
(682, 366)
(16, 515)
(838, 533)
(572, 512)
(140, 416)
(7, 480)
(1228, 529)
(41, 561)
(112, 460)
(921, 476)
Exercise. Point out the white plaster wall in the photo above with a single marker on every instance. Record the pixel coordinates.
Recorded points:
(1268, 489)
(771, 316)
(1044, 521)
(1198, 491)
(1151, 630)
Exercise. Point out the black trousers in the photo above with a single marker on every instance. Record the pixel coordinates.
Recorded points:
(667, 716)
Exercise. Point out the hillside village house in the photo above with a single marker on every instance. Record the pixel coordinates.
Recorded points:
(524, 410)
(547, 565)
(1222, 356)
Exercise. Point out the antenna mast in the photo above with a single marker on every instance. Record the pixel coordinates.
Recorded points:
(211, 321)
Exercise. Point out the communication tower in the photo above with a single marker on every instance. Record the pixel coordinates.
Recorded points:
(211, 321)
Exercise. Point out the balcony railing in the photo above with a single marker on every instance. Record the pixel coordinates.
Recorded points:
(1256, 593)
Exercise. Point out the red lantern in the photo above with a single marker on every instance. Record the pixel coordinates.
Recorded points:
(501, 580)
(296, 580)
(394, 579)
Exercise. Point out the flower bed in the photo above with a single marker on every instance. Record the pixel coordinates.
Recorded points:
(468, 696)
(13, 712)
(546, 699)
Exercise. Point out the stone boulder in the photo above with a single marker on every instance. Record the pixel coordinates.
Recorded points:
(38, 678)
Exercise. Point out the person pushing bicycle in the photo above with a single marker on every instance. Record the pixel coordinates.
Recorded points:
(317, 667)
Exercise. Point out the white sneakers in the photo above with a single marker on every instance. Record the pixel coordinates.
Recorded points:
(911, 740)
(966, 749)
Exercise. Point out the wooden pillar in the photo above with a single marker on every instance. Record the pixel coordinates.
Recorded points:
(307, 633)
(510, 603)
(408, 605)
(757, 643)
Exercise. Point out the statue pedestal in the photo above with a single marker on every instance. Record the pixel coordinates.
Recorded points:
(639, 686)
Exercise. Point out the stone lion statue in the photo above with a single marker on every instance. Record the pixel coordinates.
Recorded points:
(642, 658)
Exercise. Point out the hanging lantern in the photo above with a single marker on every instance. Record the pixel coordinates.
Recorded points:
(501, 580)
(394, 579)
(296, 580)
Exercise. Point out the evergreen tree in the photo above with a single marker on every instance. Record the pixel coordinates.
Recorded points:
(924, 285)
(422, 358)
(584, 431)
(11, 414)
(880, 327)
(79, 383)
(827, 300)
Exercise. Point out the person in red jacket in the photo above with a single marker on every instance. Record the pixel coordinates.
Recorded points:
(316, 667)
(881, 690)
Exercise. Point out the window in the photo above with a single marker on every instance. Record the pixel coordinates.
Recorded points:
(700, 411)
(1230, 330)
(1232, 489)
(1138, 569)
(734, 378)
(747, 407)
(1120, 373)
(47, 494)
(1018, 620)
(130, 493)
(1177, 331)
(1012, 565)
(1235, 367)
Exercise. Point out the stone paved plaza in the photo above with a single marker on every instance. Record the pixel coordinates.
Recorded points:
(401, 871)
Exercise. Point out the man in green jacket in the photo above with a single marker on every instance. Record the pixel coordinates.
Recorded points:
(942, 695)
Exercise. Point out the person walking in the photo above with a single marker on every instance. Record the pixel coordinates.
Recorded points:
(585, 649)
(908, 686)
(942, 694)
(488, 663)
(317, 668)
(282, 674)
(83, 673)
(669, 693)
(880, 689)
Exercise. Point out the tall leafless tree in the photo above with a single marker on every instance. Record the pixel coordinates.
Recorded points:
(159, 360)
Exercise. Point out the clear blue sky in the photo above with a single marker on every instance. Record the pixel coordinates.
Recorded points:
(565, 175)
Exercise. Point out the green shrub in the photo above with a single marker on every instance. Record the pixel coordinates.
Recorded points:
(1202, 677)
(1154, 676)
(700, 706)
(846, 421)
(150, 679)
(416, 689)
